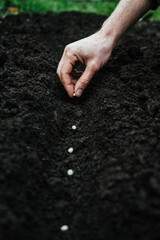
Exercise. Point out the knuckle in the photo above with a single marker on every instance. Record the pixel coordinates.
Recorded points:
(94, 66)
(58, 69)
(84, 83)
(63, 79)
(68, 50)
(58, 72)
(64, 83)
(68, 47)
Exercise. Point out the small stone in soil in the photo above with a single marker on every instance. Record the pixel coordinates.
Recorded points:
(79, 113)
(64, 228)
(70, 172)
(70, 150)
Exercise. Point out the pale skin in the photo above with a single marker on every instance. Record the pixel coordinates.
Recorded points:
(94, 51)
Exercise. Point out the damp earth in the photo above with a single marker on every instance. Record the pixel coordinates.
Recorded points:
(114, 192)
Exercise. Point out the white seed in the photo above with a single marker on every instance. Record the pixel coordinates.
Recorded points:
(74, 94)
(70, 150)
(64, 228)
(70, 172)
(74, 127)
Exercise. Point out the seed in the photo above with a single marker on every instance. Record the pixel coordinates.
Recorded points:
(70, 172)
(70, 150)
(74, 94)
(74, 127)
(64, 228)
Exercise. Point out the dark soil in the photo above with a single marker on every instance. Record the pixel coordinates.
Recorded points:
(115, 190)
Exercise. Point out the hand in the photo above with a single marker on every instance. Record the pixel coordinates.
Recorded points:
(93, 51)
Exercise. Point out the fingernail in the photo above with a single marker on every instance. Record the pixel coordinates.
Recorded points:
(79, 92)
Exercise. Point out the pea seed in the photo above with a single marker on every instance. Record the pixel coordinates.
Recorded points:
(64, 228)
(70, 150)
(70, 172)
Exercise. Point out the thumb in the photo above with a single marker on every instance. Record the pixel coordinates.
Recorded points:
(84, 80)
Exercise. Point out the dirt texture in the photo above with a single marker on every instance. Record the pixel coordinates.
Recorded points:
(114, 192)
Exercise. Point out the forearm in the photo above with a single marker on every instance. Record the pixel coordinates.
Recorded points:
(126, 14)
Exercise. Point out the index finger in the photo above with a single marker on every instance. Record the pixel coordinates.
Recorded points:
(64, 71)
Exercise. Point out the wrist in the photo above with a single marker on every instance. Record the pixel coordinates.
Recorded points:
(108, 32)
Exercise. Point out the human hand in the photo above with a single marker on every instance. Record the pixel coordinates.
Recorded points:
(93, 51)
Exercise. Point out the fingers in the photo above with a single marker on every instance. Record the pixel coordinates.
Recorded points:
(68, 84)
(65, 68)
(68, 74)
(85, 78)
(66, 80)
